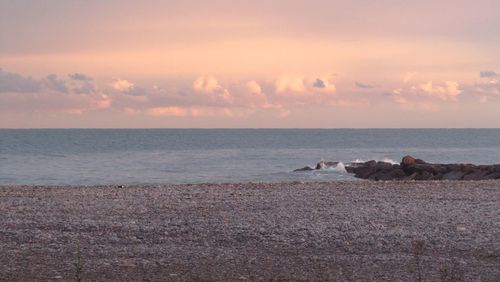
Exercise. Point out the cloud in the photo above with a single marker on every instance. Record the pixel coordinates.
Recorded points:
(11, 82)
(50, 93)
(126, 87)
(168, 111)
(491, 88)
(196, 111)
(488, 73)
(301, 85)
(254, 87)
(293, 90)
(449, 90)
(53, 83)
(79, 76)
(83, 87)
(136, 91)
(319, 83)
(206, 84)
(16, 83)
(289, 84)
(364, 85)
(121, 84)
(253, 96)
(210, 86)
(424, 96)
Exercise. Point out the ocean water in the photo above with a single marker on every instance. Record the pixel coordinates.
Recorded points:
(126, 156)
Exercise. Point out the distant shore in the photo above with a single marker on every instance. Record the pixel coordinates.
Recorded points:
(343, 231)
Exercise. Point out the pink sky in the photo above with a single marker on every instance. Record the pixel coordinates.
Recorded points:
(237, 63)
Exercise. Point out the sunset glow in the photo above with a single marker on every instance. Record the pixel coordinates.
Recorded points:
(249, 63)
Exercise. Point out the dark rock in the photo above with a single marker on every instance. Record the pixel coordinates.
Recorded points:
(390, 174)
(306, 168)
(325, 165)
(493, 175)
(408, 160)
(415, 169)
(349, 169)
(424, 175)
(365, 170)
(475, 175)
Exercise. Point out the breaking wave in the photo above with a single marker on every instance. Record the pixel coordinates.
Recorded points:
(385, 160)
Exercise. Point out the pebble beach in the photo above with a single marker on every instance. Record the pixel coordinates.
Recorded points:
(337, 231)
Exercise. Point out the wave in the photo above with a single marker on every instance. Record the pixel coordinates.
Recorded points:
(340, 167)
(385, 160)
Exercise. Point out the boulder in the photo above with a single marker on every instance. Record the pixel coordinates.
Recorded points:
(306, 168)
(388, 174)
(325, 165)
(408, 160)
(493, 175)
(414, 169)
(476, 174)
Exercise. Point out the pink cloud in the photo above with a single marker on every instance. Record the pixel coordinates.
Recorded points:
(446, 91)
(168, 111)
(210, 86)
(122, 84)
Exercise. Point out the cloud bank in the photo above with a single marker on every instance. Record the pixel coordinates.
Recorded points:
(206, 96)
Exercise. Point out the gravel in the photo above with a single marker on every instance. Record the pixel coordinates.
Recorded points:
(343, 231)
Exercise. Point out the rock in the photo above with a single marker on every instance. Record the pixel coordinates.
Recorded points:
(365, 170)
(424, 175)
(408, 160)
(391, 174)
(475, 175)
(306, 168)
(414, 169)
(493, 175)
(325, 165)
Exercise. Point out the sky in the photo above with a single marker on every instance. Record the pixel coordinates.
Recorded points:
(249, 64)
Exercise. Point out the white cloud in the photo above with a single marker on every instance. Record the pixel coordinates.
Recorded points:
(301, 85)
(122, 84)
(447, 91)
(210, 86)
(424, 96)
(290, 84)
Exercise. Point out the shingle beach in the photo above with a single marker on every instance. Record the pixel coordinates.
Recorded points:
(340, 231)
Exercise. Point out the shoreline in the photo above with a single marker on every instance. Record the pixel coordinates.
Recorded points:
(335, 230)
(232, 184)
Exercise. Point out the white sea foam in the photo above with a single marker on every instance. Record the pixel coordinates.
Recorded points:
(340, 167)
(385, 160)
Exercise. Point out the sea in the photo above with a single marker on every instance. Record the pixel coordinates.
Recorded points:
(173, 156)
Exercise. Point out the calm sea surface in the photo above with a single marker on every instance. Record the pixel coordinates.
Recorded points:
(125, 156)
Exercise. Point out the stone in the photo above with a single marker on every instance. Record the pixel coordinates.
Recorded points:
(306, 168)
(325, 165)
(493, 175)
(414, 169)
(475, 175)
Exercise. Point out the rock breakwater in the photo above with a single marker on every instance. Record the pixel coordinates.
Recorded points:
(412, 168)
